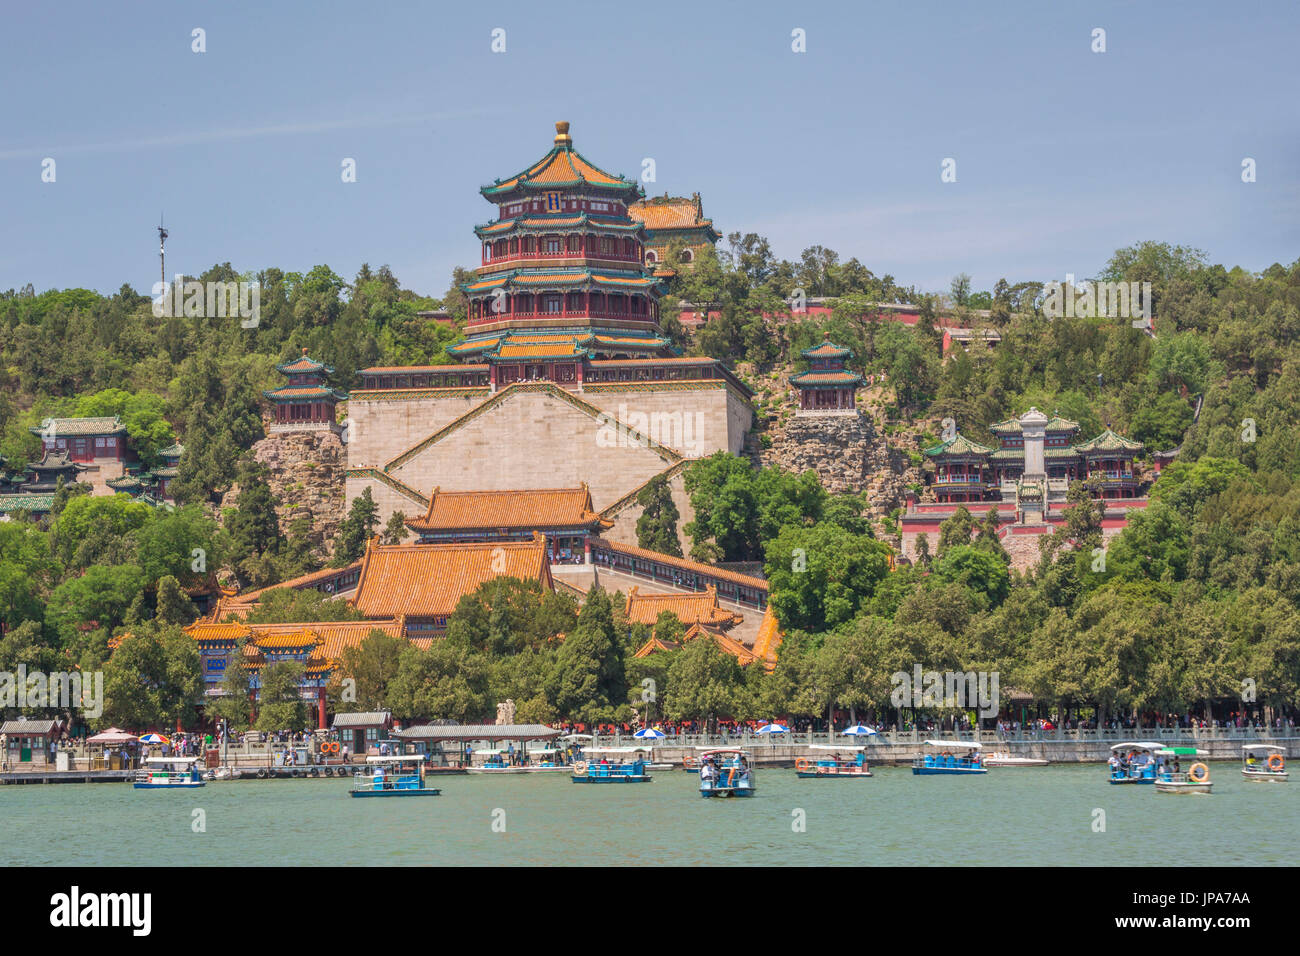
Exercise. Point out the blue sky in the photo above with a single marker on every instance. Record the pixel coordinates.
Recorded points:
(1062, 154)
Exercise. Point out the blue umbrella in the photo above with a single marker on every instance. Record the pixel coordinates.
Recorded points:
(859, 730)
(649, 732)
(772, 729)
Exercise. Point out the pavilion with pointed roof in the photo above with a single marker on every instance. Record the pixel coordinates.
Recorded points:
(304, 402)
(827, 387)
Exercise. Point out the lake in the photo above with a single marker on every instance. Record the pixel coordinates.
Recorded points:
(1041, 816)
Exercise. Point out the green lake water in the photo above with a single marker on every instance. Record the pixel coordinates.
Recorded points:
(1009, 816)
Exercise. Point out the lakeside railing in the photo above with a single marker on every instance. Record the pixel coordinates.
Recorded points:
(986, 737)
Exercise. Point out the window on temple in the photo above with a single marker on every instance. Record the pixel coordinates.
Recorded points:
(552, 245)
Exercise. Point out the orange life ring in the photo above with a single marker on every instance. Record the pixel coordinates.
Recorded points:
(330, 747)
(1276, 761)
(802, 763)
(1198, 777)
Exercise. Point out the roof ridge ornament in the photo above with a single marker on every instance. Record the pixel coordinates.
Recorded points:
(562, 137)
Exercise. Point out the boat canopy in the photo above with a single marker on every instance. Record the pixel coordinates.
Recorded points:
(1264, 747)
(851, 750)
(955, 744)
(615, 750)
(182, 760)
(394, 758)
(1137, 746)
(1183, 751)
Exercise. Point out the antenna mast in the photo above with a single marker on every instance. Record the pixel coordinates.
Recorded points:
(162, 254)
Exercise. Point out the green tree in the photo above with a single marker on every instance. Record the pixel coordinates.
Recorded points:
(656, 528)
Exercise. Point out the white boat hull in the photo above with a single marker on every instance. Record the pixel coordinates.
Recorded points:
(1006, 760)
(1172, 786)
(1266, 776)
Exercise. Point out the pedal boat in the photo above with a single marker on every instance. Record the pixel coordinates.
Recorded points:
(831, 766)
(727, 772)
(170, 773)
(629, 768)
(1140, 767)
(1196, 779)
(1264, 763)
(395, 775)
(951, 758)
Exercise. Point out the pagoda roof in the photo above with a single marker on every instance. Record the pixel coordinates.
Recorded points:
(26, 502)
(428, 580)
(516, 278)
(55, 460)
(724, 643)
(826, 349)
(103, 425)
(127, 482)
(830, 377)
(303, 364)
(290, 392)
(1012, 426)
(542, 223)
(1012, 454)
(1108, 441)
(531, 509)
(666, 213)
(698, 607)
(562, 167)
(959, 444)
(553, 344)
(172, 451)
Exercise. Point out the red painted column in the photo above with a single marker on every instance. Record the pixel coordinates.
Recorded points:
(320, 708)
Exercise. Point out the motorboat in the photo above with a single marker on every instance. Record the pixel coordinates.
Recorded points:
(1170, 778)
(727, 772)
(833, 763)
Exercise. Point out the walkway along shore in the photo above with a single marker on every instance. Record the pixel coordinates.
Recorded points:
(887, 749)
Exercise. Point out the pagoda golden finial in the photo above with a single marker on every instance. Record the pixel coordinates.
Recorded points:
(562, 137)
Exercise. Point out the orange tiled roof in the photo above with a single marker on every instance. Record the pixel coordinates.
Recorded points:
(669, 212)
(334, 636)
(568, 350)
(531, 510)
(427, 580)
(700, 607)
(563, 164)
(654, 645)
(769, 639)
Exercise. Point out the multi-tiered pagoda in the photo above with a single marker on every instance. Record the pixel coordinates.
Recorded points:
(562, 279)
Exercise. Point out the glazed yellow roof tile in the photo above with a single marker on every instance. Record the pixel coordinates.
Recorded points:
(668, 213)
(700, 607)
(428, 580)
(566, 350)
(533, 509)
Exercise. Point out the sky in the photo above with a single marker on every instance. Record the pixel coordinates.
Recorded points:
(1062, 154)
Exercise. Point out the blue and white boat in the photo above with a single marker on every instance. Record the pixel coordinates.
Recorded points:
(1133, 762)
(835, 763)
(628, 766)
(169, 773)
(395, 775)
(727, 772)
(949, 757)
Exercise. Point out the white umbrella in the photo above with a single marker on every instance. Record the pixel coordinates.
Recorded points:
(772, 729)
(859, 730)
(645, 732)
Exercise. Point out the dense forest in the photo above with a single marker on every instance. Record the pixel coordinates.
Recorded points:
(1195, 606)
